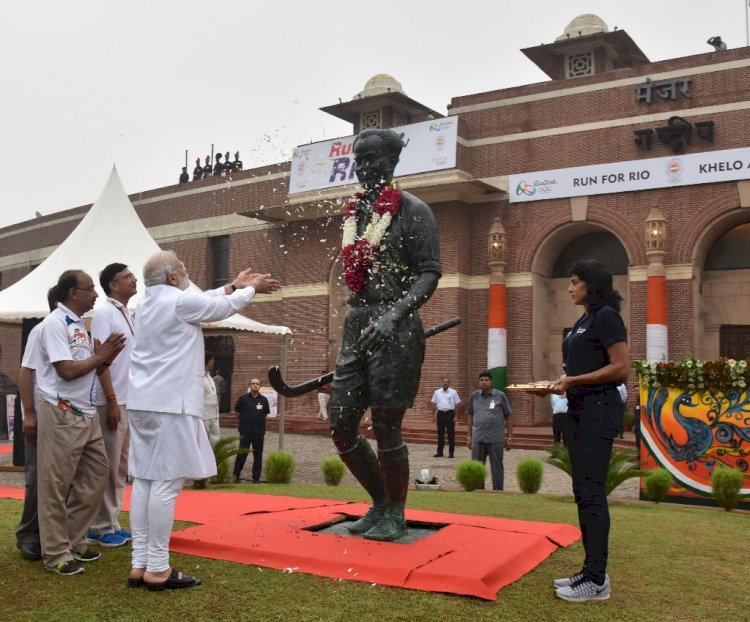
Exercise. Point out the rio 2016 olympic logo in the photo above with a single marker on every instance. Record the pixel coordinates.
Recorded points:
(674, 170)
(524, 188)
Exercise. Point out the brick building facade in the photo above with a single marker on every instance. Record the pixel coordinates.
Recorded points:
(587, 114)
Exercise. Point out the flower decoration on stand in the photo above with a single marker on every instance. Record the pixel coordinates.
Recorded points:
(696, 376)
(359, 253)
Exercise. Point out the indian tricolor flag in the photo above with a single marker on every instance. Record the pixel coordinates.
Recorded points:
(497, 337)
(656, 318)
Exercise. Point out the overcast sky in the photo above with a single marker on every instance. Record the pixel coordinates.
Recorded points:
(137, 82)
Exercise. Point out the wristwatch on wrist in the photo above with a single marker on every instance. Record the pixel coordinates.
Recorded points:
(233, 286)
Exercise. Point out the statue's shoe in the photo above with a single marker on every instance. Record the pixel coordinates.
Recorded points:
(390, 527)
(368, 521)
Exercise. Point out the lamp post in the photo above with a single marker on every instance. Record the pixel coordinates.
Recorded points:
(656, 287)
(497, 334)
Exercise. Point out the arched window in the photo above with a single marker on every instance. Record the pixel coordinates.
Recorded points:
(600, 245)
(731, 251)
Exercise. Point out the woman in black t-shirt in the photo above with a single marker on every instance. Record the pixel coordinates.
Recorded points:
(596, 360)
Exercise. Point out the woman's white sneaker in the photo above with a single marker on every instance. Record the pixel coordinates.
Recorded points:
(584, 590)
(568, 581)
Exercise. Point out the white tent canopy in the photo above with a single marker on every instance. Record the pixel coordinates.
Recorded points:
(111, 231)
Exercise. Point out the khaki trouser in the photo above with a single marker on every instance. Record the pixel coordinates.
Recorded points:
(72, 472)
(116, 443)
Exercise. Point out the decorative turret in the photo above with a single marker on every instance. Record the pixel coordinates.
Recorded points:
(586, 47)
(381, 104)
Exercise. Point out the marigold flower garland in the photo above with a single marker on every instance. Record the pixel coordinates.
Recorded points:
(359, 253)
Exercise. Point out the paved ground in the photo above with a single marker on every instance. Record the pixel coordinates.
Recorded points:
(309, 452)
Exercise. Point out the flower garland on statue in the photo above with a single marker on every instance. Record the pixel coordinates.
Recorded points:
(359, 253)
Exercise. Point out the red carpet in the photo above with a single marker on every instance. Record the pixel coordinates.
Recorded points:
(6, 448)
(11, 492)
(470, 555)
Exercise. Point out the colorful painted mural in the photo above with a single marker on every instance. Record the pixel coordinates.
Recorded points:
(691, 434)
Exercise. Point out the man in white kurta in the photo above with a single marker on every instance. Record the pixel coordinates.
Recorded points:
(165, 404)
(210, 401)
(110, 394)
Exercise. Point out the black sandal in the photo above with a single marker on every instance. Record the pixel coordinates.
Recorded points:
(174, 582)
(132, 582)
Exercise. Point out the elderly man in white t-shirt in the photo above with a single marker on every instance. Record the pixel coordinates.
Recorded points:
(165, 404)
(71, 462)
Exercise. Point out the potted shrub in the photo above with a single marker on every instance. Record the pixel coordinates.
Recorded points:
(622, 465)
(529, 474)
(658, 482)
(726, 484)
(333, 470)
(279, 467)
(224, 450)
(471, 474)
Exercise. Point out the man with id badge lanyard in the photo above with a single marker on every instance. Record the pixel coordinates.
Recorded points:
(490, 430)
(252, 408)
(110, 397)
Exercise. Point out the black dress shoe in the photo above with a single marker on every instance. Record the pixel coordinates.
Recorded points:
(438, 456)
(176, 580)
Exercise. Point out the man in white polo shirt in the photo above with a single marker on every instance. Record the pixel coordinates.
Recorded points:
(71, 462)
(27, 532)
(446, 402)
(110, 398)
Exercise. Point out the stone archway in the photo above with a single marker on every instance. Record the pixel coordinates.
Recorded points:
(552, 309)
(722, 284)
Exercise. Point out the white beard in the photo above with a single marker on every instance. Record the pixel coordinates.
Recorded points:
(183, 283)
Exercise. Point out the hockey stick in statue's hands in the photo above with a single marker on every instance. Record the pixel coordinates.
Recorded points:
(282, 388)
